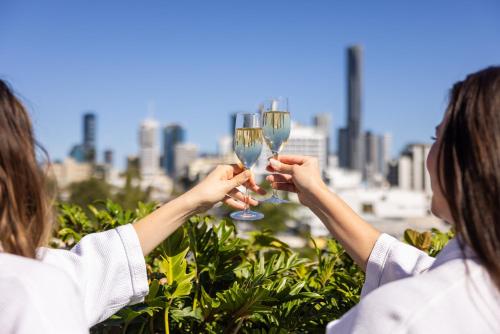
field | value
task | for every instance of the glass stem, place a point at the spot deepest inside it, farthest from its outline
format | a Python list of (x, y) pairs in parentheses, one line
[(275, 191), (247, 201)]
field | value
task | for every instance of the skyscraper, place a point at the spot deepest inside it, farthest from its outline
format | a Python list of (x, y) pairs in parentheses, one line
[(343, 148), (89, 136), (323, 122), (307, 140), (149, 156), (108, 157), (410, 171), (371, 163), (384, 151), (173, 134), (354, 129)]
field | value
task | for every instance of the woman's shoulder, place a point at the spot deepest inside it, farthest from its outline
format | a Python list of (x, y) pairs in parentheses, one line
[(456, 297), (37, 294)]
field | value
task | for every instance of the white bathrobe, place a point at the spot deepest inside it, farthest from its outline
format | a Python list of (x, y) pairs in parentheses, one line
[(407, 291), (70, 291)]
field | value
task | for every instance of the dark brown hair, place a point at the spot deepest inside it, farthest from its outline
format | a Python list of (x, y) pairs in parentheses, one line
[(469, 156), (24, 211)]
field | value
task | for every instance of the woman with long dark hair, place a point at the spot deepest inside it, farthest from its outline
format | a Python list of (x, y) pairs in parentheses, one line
[(46, 290), (406, 291)]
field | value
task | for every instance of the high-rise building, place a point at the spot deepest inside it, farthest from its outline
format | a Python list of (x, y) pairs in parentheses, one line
[(108, 157), (89, 136), (411, 169), (354, 112), (323, 122), (78, 153), (371, 163), (343, 148), (185, 153), (384, 153), (173, 134), (149, 156), (306, 140), (405, 172)]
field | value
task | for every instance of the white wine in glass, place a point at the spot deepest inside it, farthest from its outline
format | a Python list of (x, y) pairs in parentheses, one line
[(247, 146), (276, 130)]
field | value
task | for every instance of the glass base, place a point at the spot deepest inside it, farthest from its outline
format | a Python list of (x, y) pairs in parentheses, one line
[(246, 215), (275, 200)]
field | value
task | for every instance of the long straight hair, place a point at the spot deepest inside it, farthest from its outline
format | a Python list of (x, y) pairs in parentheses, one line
[(469, 160), (25, 222)]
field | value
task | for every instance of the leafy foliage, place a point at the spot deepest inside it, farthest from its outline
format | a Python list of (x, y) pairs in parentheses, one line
[(206, 279), (429, 241)]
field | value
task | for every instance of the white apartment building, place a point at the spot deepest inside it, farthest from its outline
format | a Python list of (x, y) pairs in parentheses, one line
[(149, 153), (410, 170), (303, 140)]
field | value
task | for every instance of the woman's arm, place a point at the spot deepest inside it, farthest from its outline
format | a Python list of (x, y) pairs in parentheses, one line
[(108, 268), (217, 186), (301, 174)]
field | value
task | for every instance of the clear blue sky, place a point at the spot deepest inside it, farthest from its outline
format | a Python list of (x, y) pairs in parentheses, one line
[(200, 60)]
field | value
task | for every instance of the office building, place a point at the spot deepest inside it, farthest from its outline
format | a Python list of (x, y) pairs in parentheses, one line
[(173, 134), (343, 148), (78, 153), (89, 136), (323, 122), (410, 172), (384, 153), (108, 157), (149, 156), (354, 108), (306, 140), (184, 153), (371, 163)]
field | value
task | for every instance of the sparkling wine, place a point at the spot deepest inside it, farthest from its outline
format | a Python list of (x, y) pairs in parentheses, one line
[(248, 145), (276, 129)]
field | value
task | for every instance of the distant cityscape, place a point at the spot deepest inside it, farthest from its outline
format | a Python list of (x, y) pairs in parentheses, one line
[(361, 168)]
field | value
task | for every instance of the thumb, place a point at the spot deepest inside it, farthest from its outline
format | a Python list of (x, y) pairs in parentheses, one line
[(239, 179), (281, 167)]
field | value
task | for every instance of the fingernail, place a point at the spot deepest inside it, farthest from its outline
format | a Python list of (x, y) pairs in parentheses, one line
[(274, 162)]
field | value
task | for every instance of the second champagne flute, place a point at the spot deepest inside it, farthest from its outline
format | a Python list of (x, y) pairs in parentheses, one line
[(247, 146), (276, 130)]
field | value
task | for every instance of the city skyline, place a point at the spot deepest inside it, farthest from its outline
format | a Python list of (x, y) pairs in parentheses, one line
[(200, 63)]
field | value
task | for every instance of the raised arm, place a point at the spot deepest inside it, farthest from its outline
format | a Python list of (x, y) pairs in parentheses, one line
[(109, 268), (301, 174), (217, 186)]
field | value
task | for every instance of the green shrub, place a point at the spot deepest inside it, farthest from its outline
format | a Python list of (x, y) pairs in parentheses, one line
[(206, 279)]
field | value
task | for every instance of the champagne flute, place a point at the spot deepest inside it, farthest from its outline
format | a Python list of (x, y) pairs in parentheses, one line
[(276, 130), (247, 146)]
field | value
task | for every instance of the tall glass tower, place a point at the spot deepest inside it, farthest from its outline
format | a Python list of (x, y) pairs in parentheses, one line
[(173, 134), (89, 136), (354, 128)]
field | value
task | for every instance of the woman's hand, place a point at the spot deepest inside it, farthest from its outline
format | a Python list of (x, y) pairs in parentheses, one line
[(221, 184), (299, 174)]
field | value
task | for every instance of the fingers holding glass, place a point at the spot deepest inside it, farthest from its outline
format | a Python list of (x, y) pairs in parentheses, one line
[(276, 124)]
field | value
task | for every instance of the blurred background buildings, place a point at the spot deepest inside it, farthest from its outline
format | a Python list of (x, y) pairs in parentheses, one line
[(391, 192)]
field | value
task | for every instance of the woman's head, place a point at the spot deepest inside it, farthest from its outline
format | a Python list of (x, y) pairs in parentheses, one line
[(24, 221), (464, 164)]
